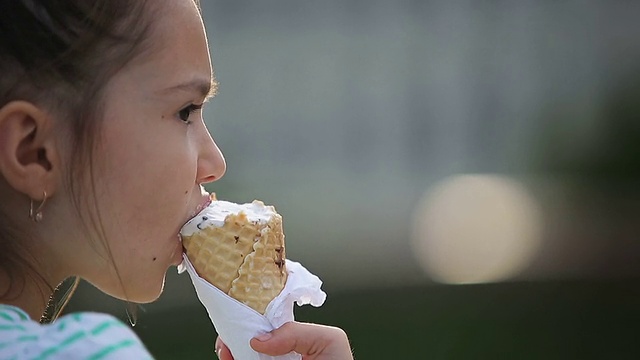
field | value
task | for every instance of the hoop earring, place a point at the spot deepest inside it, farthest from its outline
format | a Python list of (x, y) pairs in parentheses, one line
[(36, 215)]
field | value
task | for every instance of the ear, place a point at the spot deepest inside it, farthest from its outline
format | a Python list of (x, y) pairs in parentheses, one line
[(29, 158)]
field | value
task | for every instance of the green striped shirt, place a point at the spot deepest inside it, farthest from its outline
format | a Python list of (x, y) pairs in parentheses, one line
[(85, 335)]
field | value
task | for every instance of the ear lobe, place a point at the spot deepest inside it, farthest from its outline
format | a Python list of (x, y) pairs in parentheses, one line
[(28, 155)]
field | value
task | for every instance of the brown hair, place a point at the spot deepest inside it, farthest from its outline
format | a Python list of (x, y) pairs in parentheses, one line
[(59, 54)]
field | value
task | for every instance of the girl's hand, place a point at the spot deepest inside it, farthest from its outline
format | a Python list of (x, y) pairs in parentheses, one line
[(313, 342), (223, 351)]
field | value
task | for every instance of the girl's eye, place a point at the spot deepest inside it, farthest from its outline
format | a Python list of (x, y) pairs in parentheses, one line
[(185, 114)]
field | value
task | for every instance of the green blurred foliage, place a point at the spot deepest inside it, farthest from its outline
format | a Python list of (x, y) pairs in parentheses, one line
[(552, 320), (611, 157)]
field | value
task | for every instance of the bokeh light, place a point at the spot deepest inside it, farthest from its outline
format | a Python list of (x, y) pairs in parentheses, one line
[(476, 228)]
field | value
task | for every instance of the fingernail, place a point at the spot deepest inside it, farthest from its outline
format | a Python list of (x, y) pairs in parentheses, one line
[(218, 349), (263, 337)]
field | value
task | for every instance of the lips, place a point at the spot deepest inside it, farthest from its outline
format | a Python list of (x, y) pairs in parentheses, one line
[(204, 202)]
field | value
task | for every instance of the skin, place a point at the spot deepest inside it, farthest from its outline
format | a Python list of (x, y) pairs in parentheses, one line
[(150, 138), (312, 341), (153, 156)]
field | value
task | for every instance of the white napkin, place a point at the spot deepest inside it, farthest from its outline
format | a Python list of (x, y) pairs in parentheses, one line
[(237, 323)]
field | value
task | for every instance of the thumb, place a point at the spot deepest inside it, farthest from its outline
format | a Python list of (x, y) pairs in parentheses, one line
[(310, 340)]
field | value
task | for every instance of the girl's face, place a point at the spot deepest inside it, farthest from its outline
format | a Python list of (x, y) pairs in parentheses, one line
[(153, 154)]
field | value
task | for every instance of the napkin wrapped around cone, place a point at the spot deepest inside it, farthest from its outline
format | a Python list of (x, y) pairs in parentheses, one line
[(235, 256)]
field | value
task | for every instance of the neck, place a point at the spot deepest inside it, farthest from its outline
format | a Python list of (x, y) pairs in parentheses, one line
[(29, 295)]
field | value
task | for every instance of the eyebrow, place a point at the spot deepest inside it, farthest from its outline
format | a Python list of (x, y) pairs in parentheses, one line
[(207, 88)]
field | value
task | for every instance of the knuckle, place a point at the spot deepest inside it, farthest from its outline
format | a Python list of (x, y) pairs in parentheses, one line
[(338, 333)]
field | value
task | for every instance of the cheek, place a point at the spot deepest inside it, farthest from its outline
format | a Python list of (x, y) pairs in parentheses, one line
[(149, 200), (151, 165), (147, 176)]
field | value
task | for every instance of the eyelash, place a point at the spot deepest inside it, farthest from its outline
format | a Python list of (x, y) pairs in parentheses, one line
[(186, 113)]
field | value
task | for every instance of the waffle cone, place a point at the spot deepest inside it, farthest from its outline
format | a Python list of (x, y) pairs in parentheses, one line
[(242, 258)]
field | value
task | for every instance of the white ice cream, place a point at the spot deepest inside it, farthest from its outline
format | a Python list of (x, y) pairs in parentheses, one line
[(218, 210)]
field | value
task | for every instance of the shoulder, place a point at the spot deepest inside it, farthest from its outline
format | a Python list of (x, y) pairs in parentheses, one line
[(81, 335)]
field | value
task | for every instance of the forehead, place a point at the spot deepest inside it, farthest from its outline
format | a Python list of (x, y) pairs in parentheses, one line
[(167, 14), (179, 49)]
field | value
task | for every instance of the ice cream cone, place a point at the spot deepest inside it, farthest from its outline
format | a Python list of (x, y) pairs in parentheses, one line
[(239, 249)]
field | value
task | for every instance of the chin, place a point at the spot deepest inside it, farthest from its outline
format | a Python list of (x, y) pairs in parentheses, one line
[(147, 292), (149, 295)]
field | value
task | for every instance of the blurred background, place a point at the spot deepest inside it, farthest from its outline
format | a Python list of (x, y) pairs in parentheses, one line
[(464, 176)]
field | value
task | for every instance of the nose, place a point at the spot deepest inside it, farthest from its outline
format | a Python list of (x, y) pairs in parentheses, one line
[(211, 163)]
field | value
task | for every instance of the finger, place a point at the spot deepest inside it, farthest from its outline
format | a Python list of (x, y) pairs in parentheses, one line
[(306, 339), (222, 351)]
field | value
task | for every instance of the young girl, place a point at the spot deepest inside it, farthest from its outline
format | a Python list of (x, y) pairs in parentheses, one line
[(103, 154)]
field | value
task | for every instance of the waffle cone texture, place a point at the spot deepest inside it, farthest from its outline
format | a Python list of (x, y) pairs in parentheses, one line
[(244, 259)]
